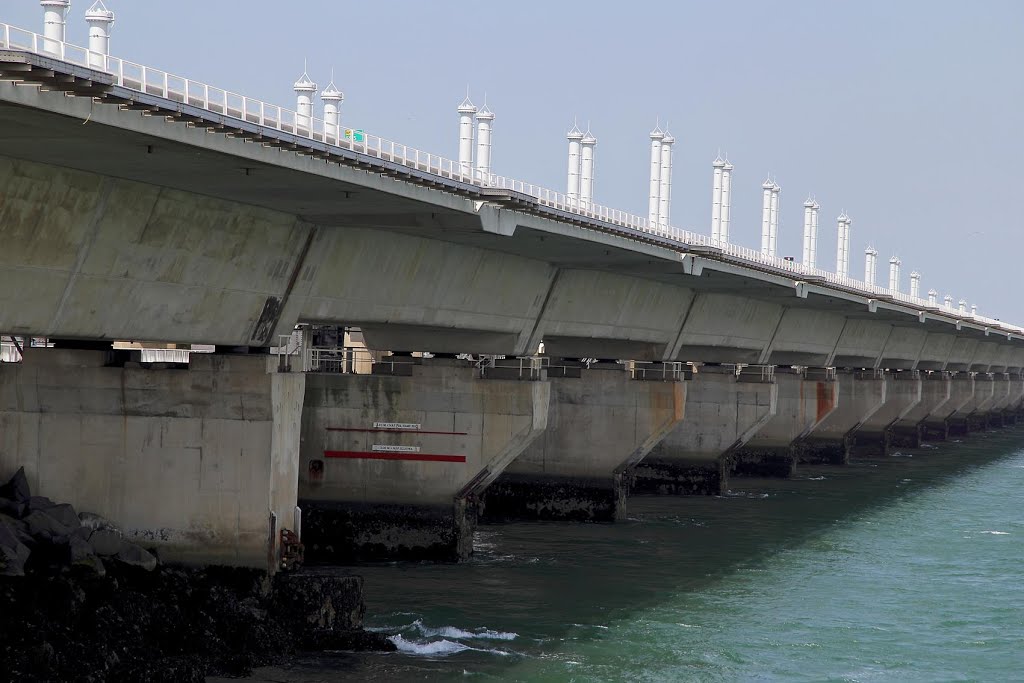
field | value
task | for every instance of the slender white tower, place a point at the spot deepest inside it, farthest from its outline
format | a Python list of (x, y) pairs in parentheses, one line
[(665, 198), (484, 117), (716, 199), (574, 136), (933, 297), (773, 236), (466, 111), (332, 99), (808, 209), (305, 88), (915, 285), (726, 201), (587, 145), (962, 307), (100, 19), (54, 13), (654, 195), (766, 216), (949, 302), (843, 249), (814, 235), (894, 273), (974, 310), (870, 265)]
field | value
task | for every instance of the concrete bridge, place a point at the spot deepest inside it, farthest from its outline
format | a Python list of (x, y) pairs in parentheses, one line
[(135, 205)]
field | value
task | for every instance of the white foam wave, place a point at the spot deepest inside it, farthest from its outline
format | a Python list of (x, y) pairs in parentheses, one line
[(436, 647), (821, 478), (458, 633), (997, 533)]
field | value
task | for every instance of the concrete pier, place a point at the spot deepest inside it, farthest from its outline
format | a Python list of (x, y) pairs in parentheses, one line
[(936, 392), (723, 412), (1001, 396), (804, 400), (961, 392), (601, 423), (393, 464), (972, 415), (201, 463), (1011, 413), (902, 394), (861, 395)]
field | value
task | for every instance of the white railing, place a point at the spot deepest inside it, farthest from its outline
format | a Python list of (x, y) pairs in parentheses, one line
[(230, 104)]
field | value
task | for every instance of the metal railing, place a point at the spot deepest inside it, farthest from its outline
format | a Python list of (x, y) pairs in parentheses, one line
[(176, 88), (667, 370)]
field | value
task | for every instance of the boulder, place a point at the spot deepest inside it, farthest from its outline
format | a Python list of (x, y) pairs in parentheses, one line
[(105, 542), (81, 554), (17, 488), (43, 527), (39, 503), (12, 508), (135, 556), (65, 514), (91, 520), (12, 559)]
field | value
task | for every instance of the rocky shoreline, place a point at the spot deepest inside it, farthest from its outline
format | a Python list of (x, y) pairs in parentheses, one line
[(80, 603)]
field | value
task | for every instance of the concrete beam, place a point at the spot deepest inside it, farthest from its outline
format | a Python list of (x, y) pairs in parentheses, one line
[(961, 393), (601, 423), (201, 463), (722, 413), (393, 466), (861, 395), (803, 403), (936, 392), (902, 393), (971, 415)]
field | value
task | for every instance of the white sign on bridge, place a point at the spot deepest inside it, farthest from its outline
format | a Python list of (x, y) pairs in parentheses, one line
[(397, 425), (388, 448)]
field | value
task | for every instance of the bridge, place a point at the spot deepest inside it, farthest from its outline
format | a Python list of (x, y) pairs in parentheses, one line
[(139, 205)]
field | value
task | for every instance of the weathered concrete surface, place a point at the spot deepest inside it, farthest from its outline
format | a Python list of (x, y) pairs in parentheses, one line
[(1011, 412), (392, 466), (936, 391), (861, 395), (961, 392), (902, 394), (600, 424), (722, 414), (1001, 397), (972, 415), (803, 402), (193, 462)]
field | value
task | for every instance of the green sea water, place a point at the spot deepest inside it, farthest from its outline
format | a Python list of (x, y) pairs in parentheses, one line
[(907, 568)]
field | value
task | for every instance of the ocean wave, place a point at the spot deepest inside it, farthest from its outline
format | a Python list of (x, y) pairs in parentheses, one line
[(997, 533), (438, 648), (455, 632)]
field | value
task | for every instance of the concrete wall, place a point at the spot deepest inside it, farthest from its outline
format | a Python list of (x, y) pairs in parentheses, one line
[(902, 394), (722, 413), (600, 423), (860, 397), (371, 490), (936, 392), (190, 461)]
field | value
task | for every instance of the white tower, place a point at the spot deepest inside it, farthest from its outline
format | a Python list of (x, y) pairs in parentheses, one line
[(466, 111), (974, 310), (100, 20), (949, 302), (962, 307), (716, 199), (332, 99), (843, 249), (305, 88), (484, 117), (894, 273), (574, 136), (870, 263), (915, 285), (665, 198), (54, 13), (933, 297), (726, 200), (766, 216), (808, 237), (773, 230), (654, 194), (587, 145)]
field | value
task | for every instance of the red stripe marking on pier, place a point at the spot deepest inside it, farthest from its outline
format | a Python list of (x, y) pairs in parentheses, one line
[(393, 431), (376, 455)]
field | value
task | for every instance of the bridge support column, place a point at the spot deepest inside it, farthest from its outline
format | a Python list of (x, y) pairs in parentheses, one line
[(201, 463), (1001, 396), (936, 426), (971, 416), (1012, 410), (601, 423), (393, 465), (902, 394), (861, 395), (722, 413), (936, 391), (805, 399)]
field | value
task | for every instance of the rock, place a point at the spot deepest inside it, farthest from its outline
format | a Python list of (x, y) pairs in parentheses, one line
[(362, 641), (17, 488), (105, 542), (39, 503), (8, 535), (310, 602), (91, 520), (135, 556), (13, 557), (12, 509), (65, 514), (81, 554), (45, 528)]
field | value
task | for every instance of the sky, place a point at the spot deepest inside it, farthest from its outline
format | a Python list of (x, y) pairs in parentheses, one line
[(905, 114)]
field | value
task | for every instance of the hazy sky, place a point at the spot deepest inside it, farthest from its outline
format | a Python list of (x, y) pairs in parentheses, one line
[(906, 114)]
